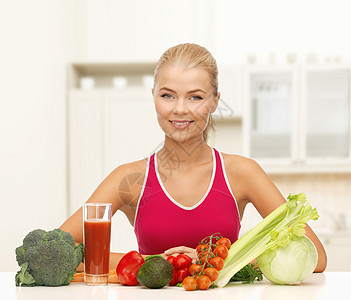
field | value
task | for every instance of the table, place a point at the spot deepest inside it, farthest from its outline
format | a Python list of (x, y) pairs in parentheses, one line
[(326, 285)]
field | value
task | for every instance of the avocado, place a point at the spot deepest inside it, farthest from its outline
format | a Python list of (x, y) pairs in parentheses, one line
[(155, 273)]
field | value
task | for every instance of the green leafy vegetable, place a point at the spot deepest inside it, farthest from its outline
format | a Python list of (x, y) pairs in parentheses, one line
[(248, 274), (275, 230), (23, 276)]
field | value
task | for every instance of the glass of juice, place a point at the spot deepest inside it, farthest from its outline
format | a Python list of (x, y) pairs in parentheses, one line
[(97, 237)]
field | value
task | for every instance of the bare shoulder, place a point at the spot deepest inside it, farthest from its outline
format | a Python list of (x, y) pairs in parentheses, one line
[(135, 167), (245, 176), (127, 180), (240, 165)]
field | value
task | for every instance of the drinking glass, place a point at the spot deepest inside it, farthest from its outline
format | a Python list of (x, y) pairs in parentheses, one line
[(97, 237)]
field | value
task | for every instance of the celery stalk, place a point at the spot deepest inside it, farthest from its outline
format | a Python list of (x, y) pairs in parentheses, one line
[(273, 231)]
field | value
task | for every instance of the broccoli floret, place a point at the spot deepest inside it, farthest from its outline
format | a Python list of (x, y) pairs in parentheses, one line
[(52, 257)]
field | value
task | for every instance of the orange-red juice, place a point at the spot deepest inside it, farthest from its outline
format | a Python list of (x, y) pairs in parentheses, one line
[(97, 236)]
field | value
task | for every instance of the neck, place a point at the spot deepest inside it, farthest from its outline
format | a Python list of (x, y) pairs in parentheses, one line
[(183, 155)]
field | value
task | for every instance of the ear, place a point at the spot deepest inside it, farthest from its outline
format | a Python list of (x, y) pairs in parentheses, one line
[(215, 102)]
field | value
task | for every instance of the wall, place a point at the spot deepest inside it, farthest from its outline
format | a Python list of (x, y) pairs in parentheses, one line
[(36, 40)]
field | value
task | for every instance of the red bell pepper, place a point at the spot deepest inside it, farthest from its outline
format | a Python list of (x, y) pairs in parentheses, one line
[(128, 267)]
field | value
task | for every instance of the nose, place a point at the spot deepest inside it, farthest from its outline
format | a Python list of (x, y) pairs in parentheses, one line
[(180, 106)]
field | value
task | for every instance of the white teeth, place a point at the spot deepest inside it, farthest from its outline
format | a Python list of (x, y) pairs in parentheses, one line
[(180, 123)]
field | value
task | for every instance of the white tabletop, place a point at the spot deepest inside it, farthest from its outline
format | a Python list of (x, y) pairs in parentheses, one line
[(317, 286)]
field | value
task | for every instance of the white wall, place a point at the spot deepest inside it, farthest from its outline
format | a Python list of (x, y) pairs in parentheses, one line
[(36, 41)]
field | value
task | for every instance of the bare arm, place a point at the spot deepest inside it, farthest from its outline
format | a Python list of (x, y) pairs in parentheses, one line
[(264, 195)]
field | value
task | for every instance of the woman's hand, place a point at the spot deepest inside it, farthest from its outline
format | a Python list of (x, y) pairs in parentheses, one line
[(181, 250)]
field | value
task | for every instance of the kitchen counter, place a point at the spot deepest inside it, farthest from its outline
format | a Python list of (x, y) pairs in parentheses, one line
[(318, 286)]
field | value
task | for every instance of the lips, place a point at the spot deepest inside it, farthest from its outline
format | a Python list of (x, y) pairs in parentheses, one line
[(180, 124)]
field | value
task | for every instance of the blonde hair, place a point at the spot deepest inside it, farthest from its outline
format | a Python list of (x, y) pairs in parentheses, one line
[(190, 56)]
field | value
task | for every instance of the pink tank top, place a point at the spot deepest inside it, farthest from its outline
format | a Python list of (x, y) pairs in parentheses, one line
[(162, 223)]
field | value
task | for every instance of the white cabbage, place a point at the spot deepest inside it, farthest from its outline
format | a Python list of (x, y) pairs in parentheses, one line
[(290, 264)]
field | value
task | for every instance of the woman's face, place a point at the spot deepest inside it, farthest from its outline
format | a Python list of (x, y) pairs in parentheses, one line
[(184, 99)]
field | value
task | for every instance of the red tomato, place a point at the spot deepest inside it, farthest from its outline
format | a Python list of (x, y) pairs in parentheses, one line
[(189, 283), (182, 273), (221, 251), (211, 273), (217, 262), (174, 279), (183, 261), (172, 260), (201, 248), (205, 253), (225, 242), (194, 269), (203, 282), (205, 261)]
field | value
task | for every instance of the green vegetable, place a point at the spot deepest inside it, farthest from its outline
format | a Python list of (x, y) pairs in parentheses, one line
[(277, 229), (247, 274), (291, 264), (48, 258), (155, 273)]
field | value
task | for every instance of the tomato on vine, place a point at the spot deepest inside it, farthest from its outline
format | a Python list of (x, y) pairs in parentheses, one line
[(201, 248), (189, 283), (195, 269), (211, 273), (221, 251), (203, 282), (217, 262), (225, 242)]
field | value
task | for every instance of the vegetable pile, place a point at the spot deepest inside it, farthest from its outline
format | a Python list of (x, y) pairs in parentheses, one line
[(48, 258), (211, 252), (274, 233)]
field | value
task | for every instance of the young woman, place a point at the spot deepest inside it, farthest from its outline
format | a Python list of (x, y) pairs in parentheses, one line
[(188, 190)]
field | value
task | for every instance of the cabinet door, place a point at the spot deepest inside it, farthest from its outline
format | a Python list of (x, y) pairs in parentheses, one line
[(85, 145), (271, 114), (326, 106)]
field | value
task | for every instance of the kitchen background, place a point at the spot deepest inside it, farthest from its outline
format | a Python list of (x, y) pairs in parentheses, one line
[(76, 102)]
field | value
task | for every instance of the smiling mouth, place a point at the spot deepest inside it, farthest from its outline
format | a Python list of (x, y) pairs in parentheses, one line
[(181, 123)]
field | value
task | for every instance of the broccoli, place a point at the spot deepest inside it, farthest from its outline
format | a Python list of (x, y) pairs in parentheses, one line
[(48, 258)]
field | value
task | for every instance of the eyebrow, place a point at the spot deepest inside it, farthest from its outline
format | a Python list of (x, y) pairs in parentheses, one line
[(189, 92)]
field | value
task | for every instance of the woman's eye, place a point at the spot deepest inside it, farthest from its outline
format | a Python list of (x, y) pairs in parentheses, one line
[(196, 98), (166, 96)]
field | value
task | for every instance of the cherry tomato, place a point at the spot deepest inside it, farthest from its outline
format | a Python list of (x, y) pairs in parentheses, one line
[(221, 251), (201, 248), (217, 263), (189, 283), (172, 260), (225, 242), (205, 261), (194, 269), (205, 253), (182, 273), (203, 282), (182, 261), (174, 279), (211, 273)]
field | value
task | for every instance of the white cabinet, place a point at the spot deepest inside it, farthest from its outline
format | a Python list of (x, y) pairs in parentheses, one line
[(338, 248), (326, 113), (298, 117)]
